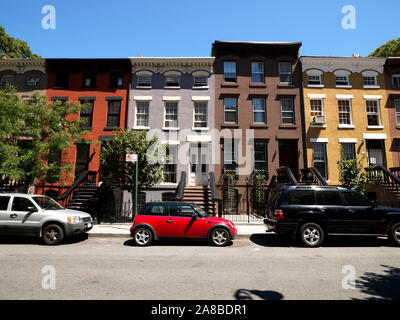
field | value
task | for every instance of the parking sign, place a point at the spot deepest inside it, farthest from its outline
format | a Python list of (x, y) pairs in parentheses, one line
[(131, 157)]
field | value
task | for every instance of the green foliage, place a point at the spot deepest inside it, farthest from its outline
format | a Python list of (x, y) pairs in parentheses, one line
[(29, 129), (14, 48), (134, 141), (389, 49), (260, 188), (230, 192)]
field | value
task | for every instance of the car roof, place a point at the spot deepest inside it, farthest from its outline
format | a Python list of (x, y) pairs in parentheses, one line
[(168, 202), (315, 187)]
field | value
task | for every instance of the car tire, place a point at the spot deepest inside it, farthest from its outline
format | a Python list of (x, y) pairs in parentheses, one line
[(143, 237), (311, 234), (394, 233), (52, 234), (220, 237)]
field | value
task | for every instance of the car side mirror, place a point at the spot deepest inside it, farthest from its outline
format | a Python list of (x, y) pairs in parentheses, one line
[(32, 209), (194, 216)]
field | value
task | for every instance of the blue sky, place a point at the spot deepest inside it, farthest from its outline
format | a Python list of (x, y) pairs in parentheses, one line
[(128, 28)]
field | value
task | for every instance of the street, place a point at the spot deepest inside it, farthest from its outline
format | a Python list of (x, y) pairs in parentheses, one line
[(263, 267)]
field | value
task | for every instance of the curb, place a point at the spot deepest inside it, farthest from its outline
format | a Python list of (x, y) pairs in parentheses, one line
[(115, 235)]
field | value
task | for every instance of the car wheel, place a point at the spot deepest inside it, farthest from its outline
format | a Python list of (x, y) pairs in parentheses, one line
[(52, 234), (311, 234), (143, 237), (395, 233), (220, 237)]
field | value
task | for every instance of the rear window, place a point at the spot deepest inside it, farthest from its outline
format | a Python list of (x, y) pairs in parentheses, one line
[(4, 202), (355, 199), (299, 197), (329, 198)]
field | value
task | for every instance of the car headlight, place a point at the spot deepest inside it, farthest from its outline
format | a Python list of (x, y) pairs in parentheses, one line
[(74, 219)]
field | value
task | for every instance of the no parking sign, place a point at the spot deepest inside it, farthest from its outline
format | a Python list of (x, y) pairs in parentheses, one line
[(131, 157)]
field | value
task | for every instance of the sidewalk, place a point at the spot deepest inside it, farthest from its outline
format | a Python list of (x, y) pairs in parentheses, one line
[(245, 230)]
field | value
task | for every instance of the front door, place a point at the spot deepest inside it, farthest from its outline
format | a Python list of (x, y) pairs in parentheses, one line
[(82, 158), (198, 166), (376, 153), (288, 156)]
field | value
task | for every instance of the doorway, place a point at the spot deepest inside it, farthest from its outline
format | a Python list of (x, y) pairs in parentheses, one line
[(198, 165), (288, 156), (376, 152), (82, 158)]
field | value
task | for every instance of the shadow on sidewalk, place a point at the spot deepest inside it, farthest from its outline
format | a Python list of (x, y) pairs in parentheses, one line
[(245, 294)]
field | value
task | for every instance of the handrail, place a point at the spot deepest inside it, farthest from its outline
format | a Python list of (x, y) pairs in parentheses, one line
[(395, 171), (290, 178), (316, 177), (180, 190), (388, 177), (82, 178), (214, 194)]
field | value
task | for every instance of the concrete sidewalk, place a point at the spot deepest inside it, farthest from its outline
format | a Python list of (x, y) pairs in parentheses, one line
[(245, 230)]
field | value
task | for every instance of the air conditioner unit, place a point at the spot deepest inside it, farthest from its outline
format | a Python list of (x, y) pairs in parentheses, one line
[(319, 119)]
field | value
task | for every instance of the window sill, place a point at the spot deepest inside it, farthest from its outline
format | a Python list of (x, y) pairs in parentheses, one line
[(229, 125), (170, 128), (286, 86), (172, 87), (344, 86), (229, 85), (110, 128), (374, 127), (200, 129), (317, 125), (315, 86), (287, 126), (143, 87), (140, 128), (372, 87), (398, 127), (200, 87), (259, 126), (346, 126)]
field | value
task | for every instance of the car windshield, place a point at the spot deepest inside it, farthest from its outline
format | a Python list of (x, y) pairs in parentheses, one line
[(201, 212), (47, 203)]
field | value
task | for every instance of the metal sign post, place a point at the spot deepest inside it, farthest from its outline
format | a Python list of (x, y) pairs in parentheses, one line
[(132, 157)]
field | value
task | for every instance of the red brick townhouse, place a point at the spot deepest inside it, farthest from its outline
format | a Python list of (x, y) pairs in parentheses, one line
[(102, 83)]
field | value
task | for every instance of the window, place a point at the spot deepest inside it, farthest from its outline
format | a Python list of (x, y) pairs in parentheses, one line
[(200, 114), (200, 81), (172, 81), (170, 167), (89, 80), (143, 81), (171, 115), (287, 111), (32, 81), (373, 115), (314, 80), (7, 80), (229, 71), (397, 108), (87, 112), (54, 156), (4, 203), (396, 80), (259, 110), (342, 80), (156, 210), (344, 112), (319, 158), (369, 81), (349, 151), (260, 157), (299, 197), (355, 199), (142, 113), (230, 110), (62, 80), (285, 72), (21, 204), (328, 198), (116, 80), (316, 108), (230, 155), (257, 72), (113, 114)]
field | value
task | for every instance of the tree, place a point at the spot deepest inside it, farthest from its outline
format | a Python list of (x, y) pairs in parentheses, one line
[(33, 134), (389, 49), (14, 48), (134, 141)]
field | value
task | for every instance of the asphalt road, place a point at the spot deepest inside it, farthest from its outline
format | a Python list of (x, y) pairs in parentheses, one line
[(268, 267)]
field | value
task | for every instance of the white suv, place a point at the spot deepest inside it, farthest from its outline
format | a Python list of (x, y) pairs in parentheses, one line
[(25, 214)]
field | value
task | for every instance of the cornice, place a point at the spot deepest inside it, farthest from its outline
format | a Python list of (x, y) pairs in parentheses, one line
[(352, 64), (23, 65), (184, 65)]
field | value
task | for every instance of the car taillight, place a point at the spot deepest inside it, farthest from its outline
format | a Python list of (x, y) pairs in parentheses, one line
[(278, 214)]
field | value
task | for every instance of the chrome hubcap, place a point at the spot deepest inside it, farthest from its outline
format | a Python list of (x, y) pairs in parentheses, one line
[(142, 236), (311, 235), (220, 237)]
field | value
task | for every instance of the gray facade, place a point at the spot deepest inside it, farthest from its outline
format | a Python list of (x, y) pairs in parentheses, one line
[(175, 96)]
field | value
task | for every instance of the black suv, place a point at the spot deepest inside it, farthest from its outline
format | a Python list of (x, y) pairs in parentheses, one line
[(313, 212)]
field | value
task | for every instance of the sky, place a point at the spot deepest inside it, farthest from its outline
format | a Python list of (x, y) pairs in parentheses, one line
[(187, 28)]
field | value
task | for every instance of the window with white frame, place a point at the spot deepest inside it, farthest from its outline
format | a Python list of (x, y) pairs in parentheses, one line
[(316, 107), (231, 155), (285, 72), (320, 161), (397, 109), (370, 81), (314, 80), (373, 114), (345, 117), (257, 72), (200, 81), (287, 111), (349, 150), (230, 110), (142, 113), (229, 71), (200, 114), (171, 115), (172, 81), (259, 110), (143, 81), (396, 80), (170, 166), (342, 80)]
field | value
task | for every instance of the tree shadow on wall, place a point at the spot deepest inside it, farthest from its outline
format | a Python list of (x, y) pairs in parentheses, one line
[(381, 286), (244, 294)]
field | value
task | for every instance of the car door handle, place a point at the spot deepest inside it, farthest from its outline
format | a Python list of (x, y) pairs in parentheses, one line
[(13, 215), (170, 220)]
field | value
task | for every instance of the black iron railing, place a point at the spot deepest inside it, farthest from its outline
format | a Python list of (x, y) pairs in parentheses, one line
[(180, 190), (285, 176), (380, 173), (85, 178), (312, 176)]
